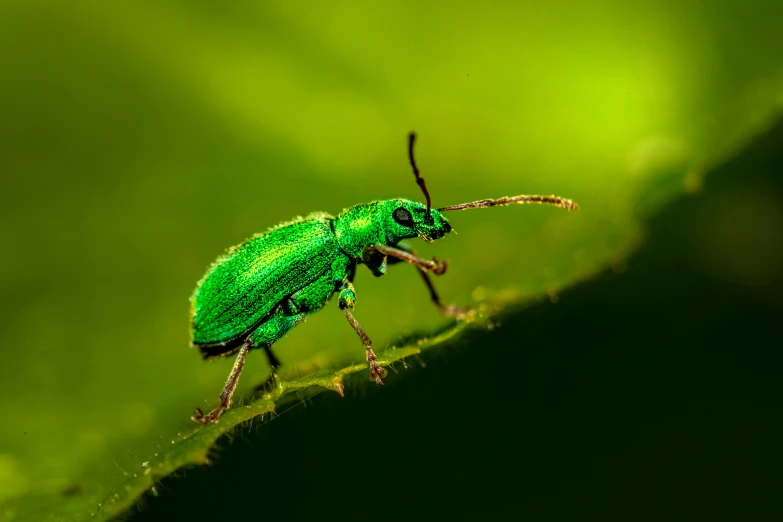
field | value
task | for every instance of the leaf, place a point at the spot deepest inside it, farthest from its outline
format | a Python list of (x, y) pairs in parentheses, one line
[(142, 139), (193, 447)]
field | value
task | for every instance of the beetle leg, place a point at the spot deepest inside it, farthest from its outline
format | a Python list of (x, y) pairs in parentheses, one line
[(375, 261), (228, 390), (448, 310), (347, 301), (289, 307), (347, 298), (437, 268), (265, 335), (270, 357), (376, 371), (272, 331)]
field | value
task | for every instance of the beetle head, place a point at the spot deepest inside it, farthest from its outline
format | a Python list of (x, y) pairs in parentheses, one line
[(407, 219)]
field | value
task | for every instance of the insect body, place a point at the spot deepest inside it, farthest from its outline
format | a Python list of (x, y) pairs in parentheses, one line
[(259, 290)]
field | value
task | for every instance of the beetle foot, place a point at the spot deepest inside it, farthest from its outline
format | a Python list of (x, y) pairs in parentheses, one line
[(376, 370), (198, 415), (439, 268)]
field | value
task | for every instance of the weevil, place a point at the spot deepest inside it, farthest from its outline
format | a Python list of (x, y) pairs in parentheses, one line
[(259, 290)]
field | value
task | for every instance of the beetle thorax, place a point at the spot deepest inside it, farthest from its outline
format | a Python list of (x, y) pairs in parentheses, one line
[(360, 226)]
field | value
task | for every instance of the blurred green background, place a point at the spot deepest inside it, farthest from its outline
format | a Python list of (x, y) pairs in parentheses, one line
[(138, 140)]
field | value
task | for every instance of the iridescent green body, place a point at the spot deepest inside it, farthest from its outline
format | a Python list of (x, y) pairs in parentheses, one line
[(267, 285), (259, 290)]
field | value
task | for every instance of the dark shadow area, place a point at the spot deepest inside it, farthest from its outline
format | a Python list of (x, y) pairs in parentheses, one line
[(649, 395)]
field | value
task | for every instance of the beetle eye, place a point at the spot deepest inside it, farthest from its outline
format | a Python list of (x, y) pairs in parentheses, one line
[(403, 217)]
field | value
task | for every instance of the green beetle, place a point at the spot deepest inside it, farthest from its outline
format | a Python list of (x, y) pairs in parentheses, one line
[(259, 290)]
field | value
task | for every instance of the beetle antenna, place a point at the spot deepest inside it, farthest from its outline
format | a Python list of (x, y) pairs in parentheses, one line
[(419, 179), (501, 202)]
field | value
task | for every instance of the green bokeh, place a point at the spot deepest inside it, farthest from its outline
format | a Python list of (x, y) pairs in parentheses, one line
[(140, 139)]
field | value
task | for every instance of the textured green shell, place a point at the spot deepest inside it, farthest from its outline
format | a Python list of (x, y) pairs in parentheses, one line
[(247, 283)]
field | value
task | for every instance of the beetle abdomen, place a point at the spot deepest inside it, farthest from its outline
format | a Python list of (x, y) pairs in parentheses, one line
[(242, 287)]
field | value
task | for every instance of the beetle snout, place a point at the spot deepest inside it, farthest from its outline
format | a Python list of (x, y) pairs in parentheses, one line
[(437, 233)]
